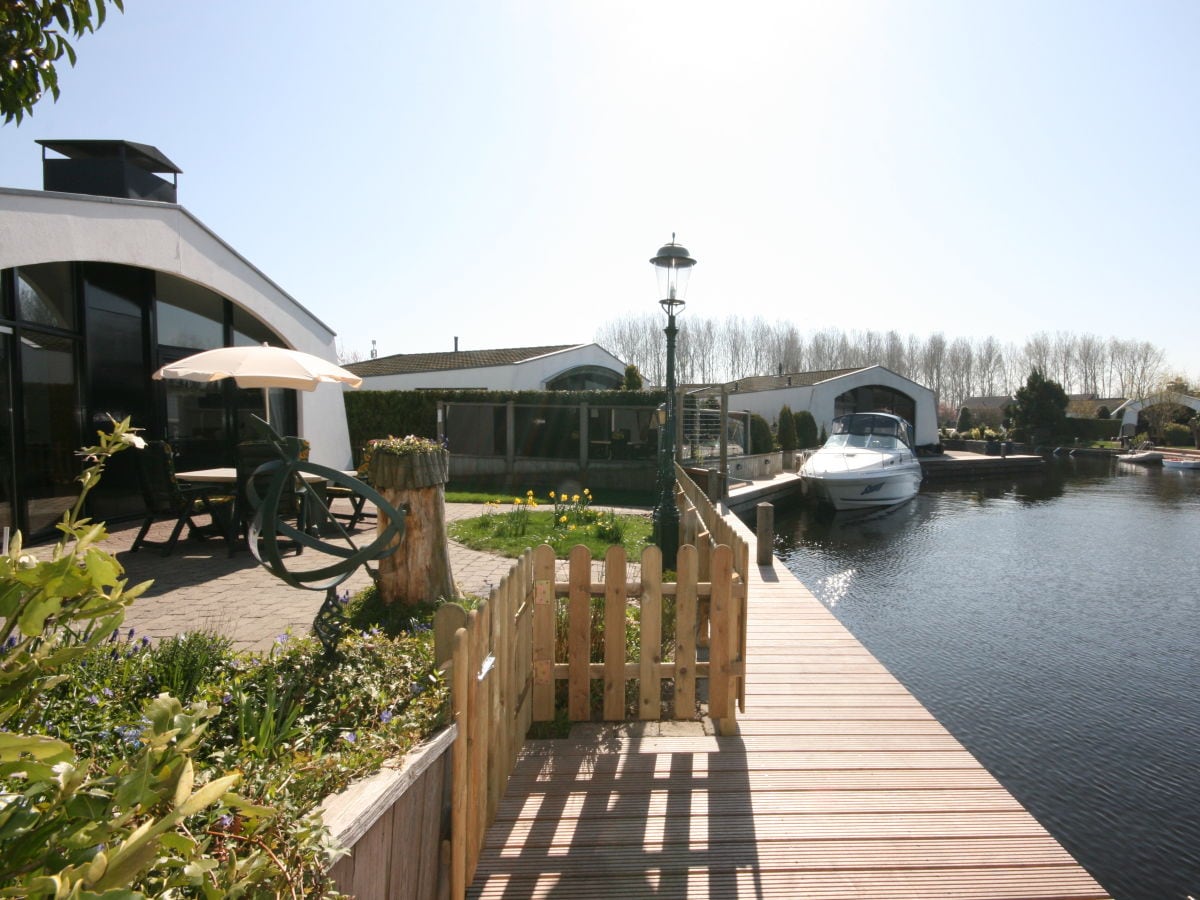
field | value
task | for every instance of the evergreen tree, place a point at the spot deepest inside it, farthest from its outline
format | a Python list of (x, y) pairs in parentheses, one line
[(787, 429), (1040, 408), (806, 430)]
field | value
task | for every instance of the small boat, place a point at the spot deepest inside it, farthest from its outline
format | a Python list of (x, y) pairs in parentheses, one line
[(1181, 462), (867, 461), (1141, 457)]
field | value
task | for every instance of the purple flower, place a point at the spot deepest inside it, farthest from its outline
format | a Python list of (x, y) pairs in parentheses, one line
[(112, 637), (130, 635), (145, 641), (11, 642), (107, 692), (350, 736), (93, 699), (226, 820), (226, 697), (385, 716)]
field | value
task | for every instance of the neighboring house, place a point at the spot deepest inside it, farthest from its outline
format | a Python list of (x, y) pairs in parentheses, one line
[(836, 392), (103, 279), (1086, 406), (565, 367)]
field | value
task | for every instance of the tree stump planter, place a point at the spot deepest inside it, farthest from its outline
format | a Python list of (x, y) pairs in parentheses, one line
[(419, 570)]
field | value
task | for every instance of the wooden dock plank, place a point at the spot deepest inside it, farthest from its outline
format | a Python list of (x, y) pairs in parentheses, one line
[(838, 784)]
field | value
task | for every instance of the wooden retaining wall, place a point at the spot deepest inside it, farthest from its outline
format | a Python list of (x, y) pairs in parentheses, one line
[(395, 823)]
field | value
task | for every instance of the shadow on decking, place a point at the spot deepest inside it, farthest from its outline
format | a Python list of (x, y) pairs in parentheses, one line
[(645, 811)]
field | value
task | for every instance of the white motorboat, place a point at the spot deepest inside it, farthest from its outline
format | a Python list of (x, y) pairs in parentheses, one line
[(1181, 462), (867, 461)]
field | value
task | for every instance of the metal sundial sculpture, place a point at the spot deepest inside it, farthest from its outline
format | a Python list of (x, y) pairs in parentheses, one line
[(267, 529)]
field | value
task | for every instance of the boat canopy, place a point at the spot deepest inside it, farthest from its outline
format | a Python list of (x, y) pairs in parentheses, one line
[(881, 424)]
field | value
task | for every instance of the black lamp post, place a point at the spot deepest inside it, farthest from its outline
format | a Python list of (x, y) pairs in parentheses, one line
[(672, 265)]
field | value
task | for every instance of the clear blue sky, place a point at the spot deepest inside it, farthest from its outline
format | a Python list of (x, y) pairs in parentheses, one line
[(502, 171)]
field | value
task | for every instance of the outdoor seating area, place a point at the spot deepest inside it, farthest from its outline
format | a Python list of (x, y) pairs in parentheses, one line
[(167, 497)]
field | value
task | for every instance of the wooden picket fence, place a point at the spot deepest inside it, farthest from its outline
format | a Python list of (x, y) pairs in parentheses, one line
[(538, 646), (702, 525)]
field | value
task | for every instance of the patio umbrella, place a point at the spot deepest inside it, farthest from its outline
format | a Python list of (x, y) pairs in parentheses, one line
[(259, 366)]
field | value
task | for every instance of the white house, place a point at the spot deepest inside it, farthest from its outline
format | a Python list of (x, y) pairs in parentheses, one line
[(562, 367), (104, 277)]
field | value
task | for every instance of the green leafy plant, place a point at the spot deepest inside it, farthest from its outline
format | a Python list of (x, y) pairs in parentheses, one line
[(67, 826)]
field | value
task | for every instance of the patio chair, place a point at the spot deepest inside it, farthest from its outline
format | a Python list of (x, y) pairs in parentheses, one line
[(249, 456), (358, 504), (166, 497)]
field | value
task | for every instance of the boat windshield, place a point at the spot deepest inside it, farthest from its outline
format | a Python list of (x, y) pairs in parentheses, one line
[(869, 431)]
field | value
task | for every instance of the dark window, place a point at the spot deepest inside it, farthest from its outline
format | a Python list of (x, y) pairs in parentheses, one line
[(44, 295), (6, 430), (118, 384), (188, 315), (249, 330), (51, 428)]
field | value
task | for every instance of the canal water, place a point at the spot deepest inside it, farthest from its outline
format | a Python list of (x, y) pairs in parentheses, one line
[(1052, 624)]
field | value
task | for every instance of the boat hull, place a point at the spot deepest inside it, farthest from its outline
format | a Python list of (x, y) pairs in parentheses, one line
[(1180, 462), (863, 489)]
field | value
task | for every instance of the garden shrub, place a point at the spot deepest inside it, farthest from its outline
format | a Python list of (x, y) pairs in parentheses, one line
[(761, 440), (806, 430), (787, 429), (1176, 435), (964, 420)]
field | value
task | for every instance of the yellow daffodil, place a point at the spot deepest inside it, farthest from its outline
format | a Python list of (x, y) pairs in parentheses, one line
[(562, 520), (552, 495), (570, 528), (574, 498), (529, 493), (516, 501)]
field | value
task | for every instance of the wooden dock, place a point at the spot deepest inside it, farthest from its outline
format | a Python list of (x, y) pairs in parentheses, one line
[(839, 785)]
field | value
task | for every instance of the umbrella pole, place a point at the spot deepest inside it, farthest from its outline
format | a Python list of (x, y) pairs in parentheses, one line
[(267, 405)]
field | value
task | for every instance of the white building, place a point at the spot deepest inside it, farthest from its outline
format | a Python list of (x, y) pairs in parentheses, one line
[(104, 278), (836, 392), (565, 367)]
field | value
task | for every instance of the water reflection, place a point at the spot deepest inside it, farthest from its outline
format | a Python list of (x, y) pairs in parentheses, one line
[(1052, 624)]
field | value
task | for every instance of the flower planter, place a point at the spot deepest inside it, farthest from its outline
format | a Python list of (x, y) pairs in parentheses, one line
[(419, 570), (394, 823)]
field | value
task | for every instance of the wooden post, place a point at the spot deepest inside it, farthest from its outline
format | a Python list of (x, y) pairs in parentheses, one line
[(765, 534), (685, 633), (579, 635), (721, 688), (544, 604), (419, 569), (649, 686), (460, 779), (614, 634)]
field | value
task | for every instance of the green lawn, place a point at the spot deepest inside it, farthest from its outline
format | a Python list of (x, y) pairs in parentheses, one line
[(509, 530)]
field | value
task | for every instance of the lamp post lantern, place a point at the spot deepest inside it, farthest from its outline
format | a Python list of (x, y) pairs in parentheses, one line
[(673, 265)]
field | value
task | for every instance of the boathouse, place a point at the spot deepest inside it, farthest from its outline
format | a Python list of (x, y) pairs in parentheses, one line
[(836, 392)]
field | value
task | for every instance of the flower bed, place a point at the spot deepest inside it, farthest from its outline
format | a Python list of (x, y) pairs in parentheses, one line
[(132, 768)]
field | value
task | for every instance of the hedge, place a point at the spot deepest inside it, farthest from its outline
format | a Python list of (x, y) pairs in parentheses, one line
[(378, 414)]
